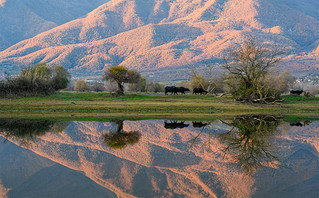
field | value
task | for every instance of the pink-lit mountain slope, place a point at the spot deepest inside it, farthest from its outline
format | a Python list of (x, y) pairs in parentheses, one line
[(23, 19), (158, 34)]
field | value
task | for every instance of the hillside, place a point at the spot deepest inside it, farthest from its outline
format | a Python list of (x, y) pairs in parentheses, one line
[(160, 35), (23, 19)]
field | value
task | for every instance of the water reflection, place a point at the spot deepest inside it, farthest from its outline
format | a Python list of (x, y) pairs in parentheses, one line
[(300, 124), (118, 139), (249, 141), (28, 130), (197, 124), (162, 164), (175, 124)]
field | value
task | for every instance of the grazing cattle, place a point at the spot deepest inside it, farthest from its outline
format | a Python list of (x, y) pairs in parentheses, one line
[(182, 89), (296, 92), (199, 90), (198, 124), (172, 90), (175, 125), (175, 90)]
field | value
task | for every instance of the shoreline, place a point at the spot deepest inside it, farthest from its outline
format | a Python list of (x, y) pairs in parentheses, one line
[(102, 105)]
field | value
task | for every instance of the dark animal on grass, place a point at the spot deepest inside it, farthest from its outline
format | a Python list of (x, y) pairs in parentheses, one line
[(198, 124), (199, 90), (297, 124), (296, 92), (172, 90), (175, 124), (182, 90)]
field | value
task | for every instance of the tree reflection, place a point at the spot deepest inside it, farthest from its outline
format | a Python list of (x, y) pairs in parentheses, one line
[(28, 130), (248, 142), (119, 139)]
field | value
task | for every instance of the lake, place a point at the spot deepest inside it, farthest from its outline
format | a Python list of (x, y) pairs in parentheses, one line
[(247, 156)]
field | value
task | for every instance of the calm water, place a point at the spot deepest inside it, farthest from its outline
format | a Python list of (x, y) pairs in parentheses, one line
[(248, 156)]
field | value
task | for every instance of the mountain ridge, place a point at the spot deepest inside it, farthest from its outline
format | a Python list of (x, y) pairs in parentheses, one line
[(177, 33)]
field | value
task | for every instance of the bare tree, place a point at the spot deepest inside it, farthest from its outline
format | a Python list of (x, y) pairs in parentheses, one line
[(249, 65), (97, 86), (81, 86), (199, 80)]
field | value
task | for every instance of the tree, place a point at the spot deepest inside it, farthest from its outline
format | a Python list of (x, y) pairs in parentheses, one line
[(121, 75), (35, 72), (198, 80), (81, 86), (249, 65), (61, 77), (97, 86), (155, 87), (183, 83), (140, 86), (206, 81), (37, 79), (289, 78)]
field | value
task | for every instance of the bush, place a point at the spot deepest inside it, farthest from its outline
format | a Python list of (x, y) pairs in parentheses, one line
[(82, 86), (35, 80)]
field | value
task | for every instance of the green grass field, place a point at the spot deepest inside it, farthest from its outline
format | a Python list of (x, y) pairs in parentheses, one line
[(76, 105)]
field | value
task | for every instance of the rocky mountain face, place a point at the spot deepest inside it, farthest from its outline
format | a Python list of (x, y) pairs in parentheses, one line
[(159, 34), (23, 19), (163, 162)]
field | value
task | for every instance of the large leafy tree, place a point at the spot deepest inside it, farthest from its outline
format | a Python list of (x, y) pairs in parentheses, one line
[(121, 75), (60, 77)]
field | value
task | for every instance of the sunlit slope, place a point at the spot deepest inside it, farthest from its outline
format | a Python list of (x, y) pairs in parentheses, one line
[(154, 34), (23, 19)]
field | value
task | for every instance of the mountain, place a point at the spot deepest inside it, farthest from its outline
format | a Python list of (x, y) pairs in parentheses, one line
[(23, 19), (160, 34)]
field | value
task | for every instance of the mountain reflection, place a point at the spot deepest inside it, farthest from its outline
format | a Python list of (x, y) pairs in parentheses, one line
[(162, 164), (28, 130), (119, 138), (248, 142)]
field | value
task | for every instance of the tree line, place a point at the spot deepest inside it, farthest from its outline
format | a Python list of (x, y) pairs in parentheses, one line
[(35, 80), (250, 74)]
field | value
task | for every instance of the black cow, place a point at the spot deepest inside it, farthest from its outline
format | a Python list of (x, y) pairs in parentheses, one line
[(182, 89), (172, 90), (198, 124), (175, 125), (199, 90), (296, 92)]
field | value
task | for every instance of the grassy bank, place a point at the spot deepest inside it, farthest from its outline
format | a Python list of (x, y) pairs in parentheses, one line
[(149, 106)]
